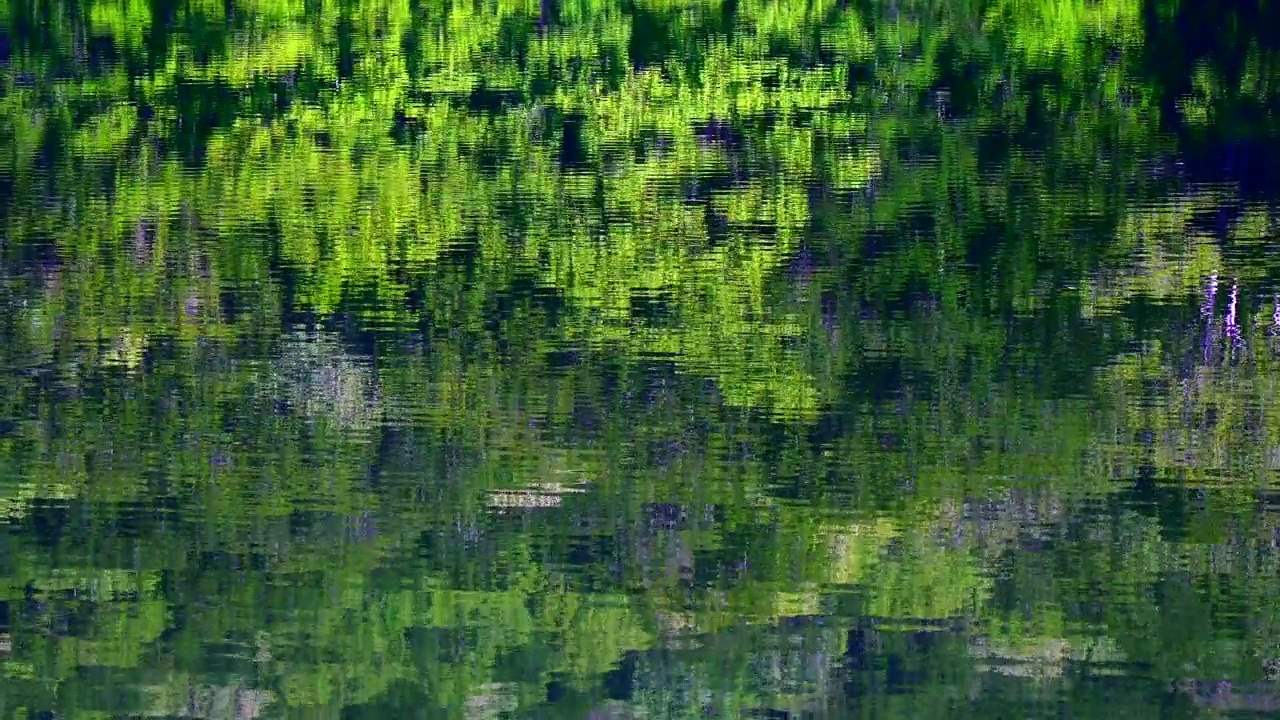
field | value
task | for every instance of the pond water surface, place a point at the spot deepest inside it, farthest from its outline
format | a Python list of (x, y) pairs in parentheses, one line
[(639, 358)]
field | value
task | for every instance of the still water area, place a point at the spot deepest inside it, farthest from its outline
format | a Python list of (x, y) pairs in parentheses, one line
[(615, 359)]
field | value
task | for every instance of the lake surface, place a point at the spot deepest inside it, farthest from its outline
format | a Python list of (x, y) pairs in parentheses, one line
[(641, 358)]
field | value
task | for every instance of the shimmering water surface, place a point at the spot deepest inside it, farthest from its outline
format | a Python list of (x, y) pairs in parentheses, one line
[(639, 358)]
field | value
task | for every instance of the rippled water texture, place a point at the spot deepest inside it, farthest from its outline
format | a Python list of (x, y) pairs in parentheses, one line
[(652, 358)]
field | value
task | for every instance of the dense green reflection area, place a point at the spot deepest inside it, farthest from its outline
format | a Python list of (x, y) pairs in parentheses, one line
[(645, 359)]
